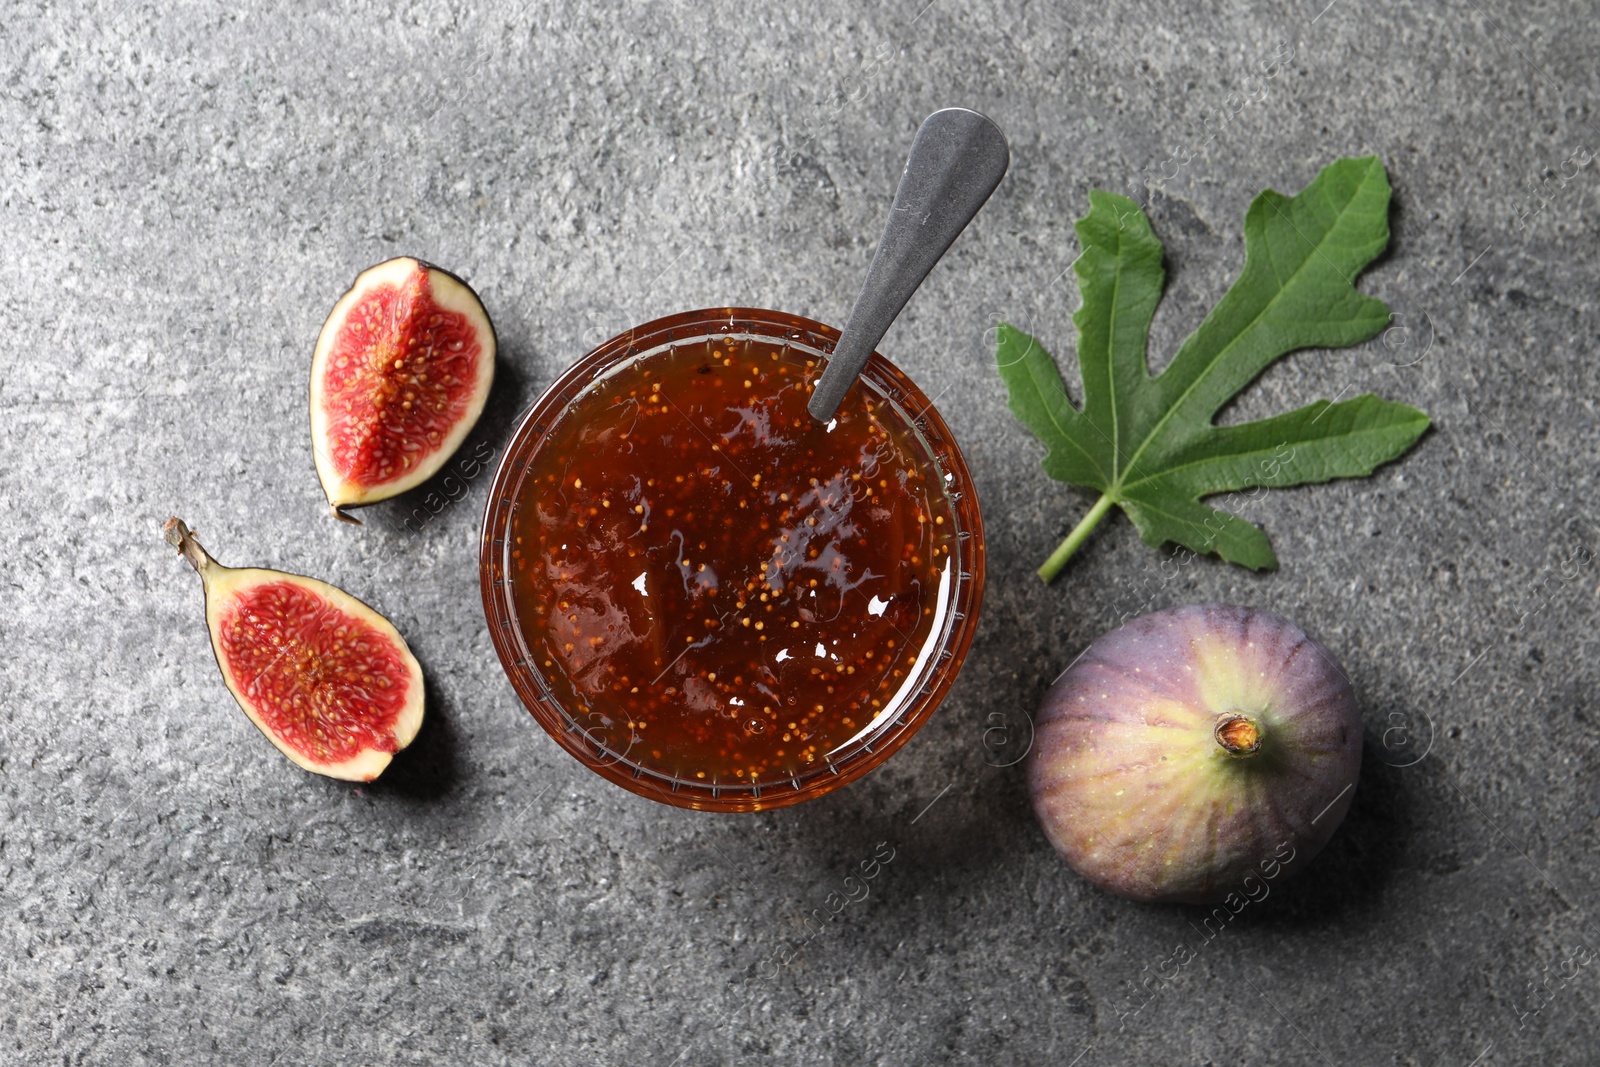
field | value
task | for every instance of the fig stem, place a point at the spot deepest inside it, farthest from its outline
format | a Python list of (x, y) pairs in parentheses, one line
[(1079, 534), (179, 537), (1239, 735)]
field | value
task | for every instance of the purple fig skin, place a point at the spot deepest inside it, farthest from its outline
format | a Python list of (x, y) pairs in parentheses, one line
[(1196, 754)]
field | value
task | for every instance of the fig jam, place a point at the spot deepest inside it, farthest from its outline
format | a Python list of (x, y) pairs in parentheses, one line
[(719, 588)]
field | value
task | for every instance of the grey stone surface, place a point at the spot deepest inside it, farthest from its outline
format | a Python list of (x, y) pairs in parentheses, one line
[(186, 187)]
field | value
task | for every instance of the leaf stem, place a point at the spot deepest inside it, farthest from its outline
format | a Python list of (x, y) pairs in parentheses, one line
[(1079, 534)]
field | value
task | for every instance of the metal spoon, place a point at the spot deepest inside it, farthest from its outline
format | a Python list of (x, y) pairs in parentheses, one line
[(958, 158)]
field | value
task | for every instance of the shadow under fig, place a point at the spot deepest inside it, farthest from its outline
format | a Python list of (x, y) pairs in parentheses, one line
[(512, 395), (427, 768), (982, 834)]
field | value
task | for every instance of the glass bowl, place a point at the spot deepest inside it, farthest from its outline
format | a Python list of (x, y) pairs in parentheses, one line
[(891, 727)]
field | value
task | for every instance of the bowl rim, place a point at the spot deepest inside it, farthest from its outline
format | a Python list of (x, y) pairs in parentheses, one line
[(851, 760)]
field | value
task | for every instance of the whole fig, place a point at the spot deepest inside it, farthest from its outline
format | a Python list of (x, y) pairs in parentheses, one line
[(1195, 753)]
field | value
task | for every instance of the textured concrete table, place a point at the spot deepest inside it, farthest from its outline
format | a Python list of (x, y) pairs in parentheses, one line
[(185, 188)]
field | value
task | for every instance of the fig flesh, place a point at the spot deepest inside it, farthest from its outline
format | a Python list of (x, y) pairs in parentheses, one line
[(1194, 753), (327, 679), (401, 372)]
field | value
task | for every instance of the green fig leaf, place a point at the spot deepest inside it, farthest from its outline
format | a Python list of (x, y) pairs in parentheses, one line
[(1148, 443)]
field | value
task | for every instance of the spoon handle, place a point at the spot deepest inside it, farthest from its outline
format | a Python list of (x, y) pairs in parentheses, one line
[(958, 158)]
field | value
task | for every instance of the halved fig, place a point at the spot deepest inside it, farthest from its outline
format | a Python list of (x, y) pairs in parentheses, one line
[(327, 679), (402, 370)]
